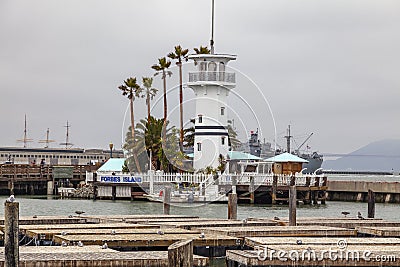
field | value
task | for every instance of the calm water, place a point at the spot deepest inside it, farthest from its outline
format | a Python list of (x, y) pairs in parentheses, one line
[(41, 205)]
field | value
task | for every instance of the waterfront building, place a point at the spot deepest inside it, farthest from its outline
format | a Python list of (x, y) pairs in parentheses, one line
[(56, 156)]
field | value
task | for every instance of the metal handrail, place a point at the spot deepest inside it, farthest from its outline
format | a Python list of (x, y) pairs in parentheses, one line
[(212, 76)]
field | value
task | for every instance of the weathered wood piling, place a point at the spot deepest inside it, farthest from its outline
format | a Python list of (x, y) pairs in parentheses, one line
[(11, 231)]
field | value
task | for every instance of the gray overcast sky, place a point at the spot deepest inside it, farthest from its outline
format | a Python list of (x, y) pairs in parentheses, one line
[(329, 67)]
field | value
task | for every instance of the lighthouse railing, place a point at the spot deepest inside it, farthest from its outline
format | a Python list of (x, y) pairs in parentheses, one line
[(212, 76)]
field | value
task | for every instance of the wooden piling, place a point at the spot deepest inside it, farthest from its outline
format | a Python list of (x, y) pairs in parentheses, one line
[(180, 254), (274, 188), (292, 205), (11, 248), (371, 204), (232, 206), (113, 192), (167, 200), (251, 190)]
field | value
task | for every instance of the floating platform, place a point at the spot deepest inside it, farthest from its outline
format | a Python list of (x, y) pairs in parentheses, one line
[(380, 231), (148, 240), (93, 256), (277, 231), (214, 223)]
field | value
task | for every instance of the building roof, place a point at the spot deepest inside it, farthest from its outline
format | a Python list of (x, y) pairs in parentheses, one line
[(286, 157), (238, 155), (114, 165)]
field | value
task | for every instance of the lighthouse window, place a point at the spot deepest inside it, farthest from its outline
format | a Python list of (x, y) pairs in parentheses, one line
[(223, 140), (200, 119), (222, 111), (198, 146)]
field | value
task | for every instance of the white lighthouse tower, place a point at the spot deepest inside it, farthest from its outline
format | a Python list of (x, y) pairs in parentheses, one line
[(211, 84)]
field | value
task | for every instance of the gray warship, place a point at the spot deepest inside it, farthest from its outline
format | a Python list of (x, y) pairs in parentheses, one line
[(265, 150)]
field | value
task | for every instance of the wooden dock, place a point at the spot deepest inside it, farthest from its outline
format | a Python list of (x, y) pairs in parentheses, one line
[(379, 231), (143, 240), (342, 222), (93, 256), (278, 231)]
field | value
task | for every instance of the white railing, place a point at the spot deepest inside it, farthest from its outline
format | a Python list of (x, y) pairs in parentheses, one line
[(212, 76), (208, 180)]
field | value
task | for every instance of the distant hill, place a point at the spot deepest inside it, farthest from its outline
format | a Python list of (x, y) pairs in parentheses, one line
[(377, 156)]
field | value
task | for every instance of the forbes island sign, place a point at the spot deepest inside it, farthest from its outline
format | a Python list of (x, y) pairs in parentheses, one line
[(120, 179)]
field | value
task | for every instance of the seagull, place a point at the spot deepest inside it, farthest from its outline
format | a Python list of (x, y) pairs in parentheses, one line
[(104, 246), (276, 218), (160, 232), (34, 216), (359, 216), (10, 199), (63, 233), (113, 232), (202, 235), (244, 221), (80, 244), (299, 242), (79, 212), (345, 213), (63, 244)]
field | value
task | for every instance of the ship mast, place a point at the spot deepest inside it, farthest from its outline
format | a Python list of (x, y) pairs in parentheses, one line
[(288, 137), (47, 141), (67, 143), (25, 140), (212, 28)]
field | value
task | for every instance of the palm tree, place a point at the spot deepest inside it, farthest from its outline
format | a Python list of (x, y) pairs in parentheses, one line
[(202, 50), (131, 89), (150, 92), (233, 141), (161, 68), (180, 54)]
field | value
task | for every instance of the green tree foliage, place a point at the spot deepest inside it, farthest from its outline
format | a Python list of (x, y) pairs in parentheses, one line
[(132, 90), (233, 141), (149, 91), (202, 50)]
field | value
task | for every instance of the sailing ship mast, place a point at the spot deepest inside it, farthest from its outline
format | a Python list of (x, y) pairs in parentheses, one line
[(67, 144), (25, 140), (47, 141)]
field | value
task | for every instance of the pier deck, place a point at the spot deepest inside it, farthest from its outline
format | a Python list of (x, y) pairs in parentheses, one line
[(214, 223), (93, 256), (343, 222), (277, 231), (48, 234), (380, 231), (148, 240)]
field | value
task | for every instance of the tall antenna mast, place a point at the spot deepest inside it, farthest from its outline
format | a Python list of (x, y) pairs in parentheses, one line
[(288, 137), (212, 27), (67, 143), (47, 141), (25, 140)]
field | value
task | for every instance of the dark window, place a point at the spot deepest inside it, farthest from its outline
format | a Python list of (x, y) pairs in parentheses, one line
[(222, 111), (223, 140), (198, 146), (200, 119)]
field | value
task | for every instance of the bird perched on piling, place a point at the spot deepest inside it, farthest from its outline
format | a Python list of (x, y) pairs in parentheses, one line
[(10, 199), (345, 213), (359, 216)]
